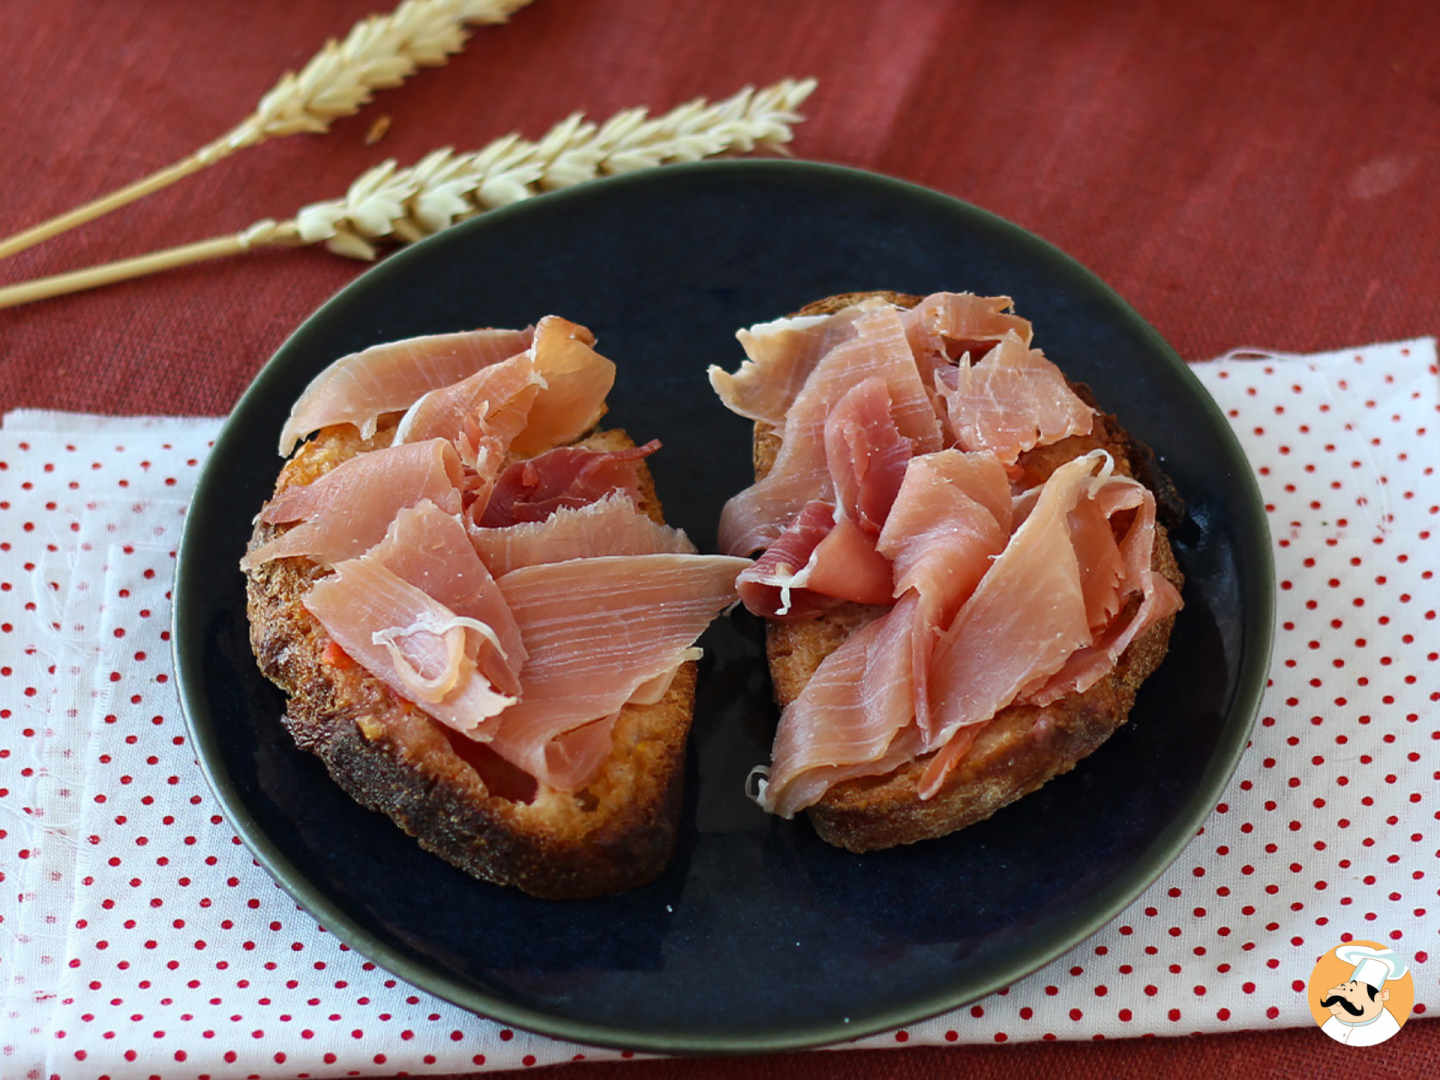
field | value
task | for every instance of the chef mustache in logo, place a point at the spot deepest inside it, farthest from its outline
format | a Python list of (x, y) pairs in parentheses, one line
[(1358, 1005)]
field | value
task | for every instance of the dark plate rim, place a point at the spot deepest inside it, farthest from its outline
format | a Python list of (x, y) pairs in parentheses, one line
[(1253, 551)]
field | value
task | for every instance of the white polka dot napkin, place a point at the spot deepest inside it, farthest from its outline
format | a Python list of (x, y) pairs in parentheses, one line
[(138, 937)]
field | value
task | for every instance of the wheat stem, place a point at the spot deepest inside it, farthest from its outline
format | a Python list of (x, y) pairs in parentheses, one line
[(400, 205), (261, 234), (380, 51)]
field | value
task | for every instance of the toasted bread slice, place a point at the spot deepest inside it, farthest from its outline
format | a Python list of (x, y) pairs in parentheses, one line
[(1023, 746), (454, 795)]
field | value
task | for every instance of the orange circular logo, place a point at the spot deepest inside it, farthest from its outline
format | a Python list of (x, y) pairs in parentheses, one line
[(1361, 992)]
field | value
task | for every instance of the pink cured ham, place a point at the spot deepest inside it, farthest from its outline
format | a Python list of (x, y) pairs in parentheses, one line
[(429, 549), (945, 326), (359, 388), (347, 510), (1012, 401), (610, 526), (415, 645), (780, 357), (495, 402), (597, 630), (853, 719), (866, 454), (816, 563), (481, 415), (753, 519), (1023, 622), (950, 520), (568, 477), (1138, 599), (576, 380)]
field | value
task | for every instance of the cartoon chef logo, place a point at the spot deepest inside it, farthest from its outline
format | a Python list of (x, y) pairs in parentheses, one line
[(1361, 993)]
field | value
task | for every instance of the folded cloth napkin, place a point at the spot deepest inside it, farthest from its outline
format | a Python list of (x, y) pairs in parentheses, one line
[(140, 939)]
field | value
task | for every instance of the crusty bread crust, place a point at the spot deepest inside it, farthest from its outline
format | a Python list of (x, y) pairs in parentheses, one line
[(456, 797), (1023, 746)]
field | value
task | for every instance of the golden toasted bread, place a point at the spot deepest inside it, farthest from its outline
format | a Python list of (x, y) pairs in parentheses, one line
[(1023, 746), (454, 795)]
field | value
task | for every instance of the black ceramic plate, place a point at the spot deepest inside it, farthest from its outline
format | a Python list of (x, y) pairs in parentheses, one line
[(759, 936)]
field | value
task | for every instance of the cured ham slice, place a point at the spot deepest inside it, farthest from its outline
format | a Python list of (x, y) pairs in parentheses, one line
[(576, 379), (418, 647), (945, 326), (481, 415), (1138, 599), (496, 400), (815, 564), (359, 388), (756, 516), (780, 357), (611, 526), (597, 630), (866, 454), (1013, 401), (951, 518), (347, 510), (852, 719), (429, 549), (949, 522), (1022, 623), (567, 477)]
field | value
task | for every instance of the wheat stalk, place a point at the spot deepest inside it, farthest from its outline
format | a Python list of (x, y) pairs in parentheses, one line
[(381, 51), (400, 205)]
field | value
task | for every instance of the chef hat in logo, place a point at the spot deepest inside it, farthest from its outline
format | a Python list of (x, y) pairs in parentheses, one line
[(1372, 966)]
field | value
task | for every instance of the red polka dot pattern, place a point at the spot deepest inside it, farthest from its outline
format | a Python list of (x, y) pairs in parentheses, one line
[(143, 931)]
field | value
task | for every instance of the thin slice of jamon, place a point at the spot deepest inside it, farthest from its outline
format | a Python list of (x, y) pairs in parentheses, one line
[(597, 630), (945, 326), (1013, 401), (417, 646), (576, 377), (1140, 598), (611, 526), (866, 454), (949, 521), (430, 550), (567, 477), (852, 719), (496, 400), (1024, 620), (347, 510), (813, 565), (359, 388), (753, 519), (781, 354)]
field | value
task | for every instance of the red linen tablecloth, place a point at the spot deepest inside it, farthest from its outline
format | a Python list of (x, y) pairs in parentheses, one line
[(1245, 174)]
